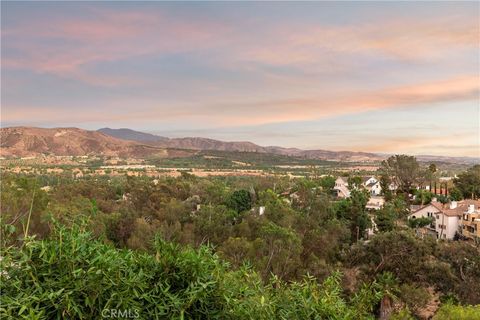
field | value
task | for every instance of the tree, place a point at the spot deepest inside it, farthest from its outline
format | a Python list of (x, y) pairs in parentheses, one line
[(399, 252), (468, 182), (213, 224), (455, 194), (387, 286), (358, 216), (403, 170), (430, 174), (423, 197), (240, 200), (282, 249), (385, 218), (419, 222), (354, 182), (385, 183), (327, 183)]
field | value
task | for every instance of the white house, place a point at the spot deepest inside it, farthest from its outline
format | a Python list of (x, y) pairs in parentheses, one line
[(368, 180), (374, 188), (341, 187), (446, 218), (370, 183)]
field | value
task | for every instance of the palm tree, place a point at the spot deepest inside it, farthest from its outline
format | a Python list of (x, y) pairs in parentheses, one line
[(386, 285)]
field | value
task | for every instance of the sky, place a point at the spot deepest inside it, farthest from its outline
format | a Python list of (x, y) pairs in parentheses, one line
[(387, 77)]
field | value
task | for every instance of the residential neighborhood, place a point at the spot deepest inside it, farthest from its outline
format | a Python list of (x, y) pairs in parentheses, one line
[(452, 219)]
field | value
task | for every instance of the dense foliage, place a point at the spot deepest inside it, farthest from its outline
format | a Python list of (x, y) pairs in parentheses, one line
[(73, 276), (230, 247)]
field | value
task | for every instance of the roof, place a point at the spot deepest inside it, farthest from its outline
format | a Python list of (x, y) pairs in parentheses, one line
[(462, 207), (365, 179), (426, 206), (415, 207)]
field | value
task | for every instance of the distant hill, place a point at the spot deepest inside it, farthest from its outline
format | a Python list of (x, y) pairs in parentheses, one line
[(28, 141), (191, 143), (132, 135), (196, 143), (31, 141)]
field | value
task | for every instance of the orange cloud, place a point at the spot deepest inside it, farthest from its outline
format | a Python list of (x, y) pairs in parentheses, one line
[(347, 102), (254, 112), (465, 144), (406, 39)]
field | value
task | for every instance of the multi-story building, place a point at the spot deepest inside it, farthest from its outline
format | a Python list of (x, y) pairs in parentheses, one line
[(449, 219), (471, 221)]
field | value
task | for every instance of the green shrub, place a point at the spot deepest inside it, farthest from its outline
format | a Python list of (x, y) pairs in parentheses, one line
[(455, 312), (70, 275)]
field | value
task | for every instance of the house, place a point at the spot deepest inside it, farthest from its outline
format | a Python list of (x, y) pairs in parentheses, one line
[(368, 180), (341, 187), (370, 183), (447, 219), (374, 188), (470, 223), (375, 202)]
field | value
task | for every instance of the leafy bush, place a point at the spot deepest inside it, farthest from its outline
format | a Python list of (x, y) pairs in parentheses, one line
[(70, 275), (450, 311), (420, 222)]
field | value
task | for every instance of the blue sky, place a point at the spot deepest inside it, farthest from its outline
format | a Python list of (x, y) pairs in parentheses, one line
[(396, 77)]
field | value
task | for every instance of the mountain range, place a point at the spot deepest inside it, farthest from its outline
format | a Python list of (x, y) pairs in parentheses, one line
[(32, 141), (196, 143)]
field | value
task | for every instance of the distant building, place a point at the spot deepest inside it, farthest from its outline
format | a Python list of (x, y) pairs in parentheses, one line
[(449, 219), (370, 183), (341, 187), (374, 188), (471, 221)]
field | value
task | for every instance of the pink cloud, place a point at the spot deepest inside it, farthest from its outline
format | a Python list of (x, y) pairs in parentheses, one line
[(347, 102), (109, 35), (251, 111)]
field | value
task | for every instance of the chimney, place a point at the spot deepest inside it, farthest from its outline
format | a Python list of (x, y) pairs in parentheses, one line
[(453, 204), (471, 208), (434, 199)]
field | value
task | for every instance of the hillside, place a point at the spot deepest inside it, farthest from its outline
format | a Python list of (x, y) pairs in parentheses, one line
[(28, 141), (197, 143), (31, 141)]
